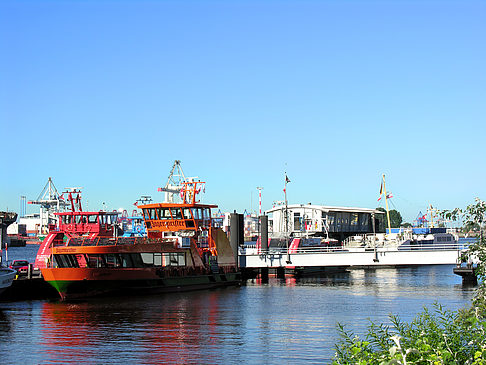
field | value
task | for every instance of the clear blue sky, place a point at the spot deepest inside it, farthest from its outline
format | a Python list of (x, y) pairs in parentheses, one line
[(105, 95)]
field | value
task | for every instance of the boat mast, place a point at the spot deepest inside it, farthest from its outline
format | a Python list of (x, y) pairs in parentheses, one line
[(386, 204), (431, 212), (287, 238)]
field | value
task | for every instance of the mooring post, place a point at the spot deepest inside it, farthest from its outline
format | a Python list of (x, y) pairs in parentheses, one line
[(264, 274), (234, 233), (264, 233)]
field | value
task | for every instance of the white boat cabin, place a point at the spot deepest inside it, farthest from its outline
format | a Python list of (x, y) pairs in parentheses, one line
[(324, 221)]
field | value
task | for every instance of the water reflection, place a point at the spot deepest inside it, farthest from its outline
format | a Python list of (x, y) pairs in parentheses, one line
[(175, 329), (283, 321), (4, 325)]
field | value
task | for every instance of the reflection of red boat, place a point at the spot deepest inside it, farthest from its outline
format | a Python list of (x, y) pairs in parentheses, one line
[(82, 256)]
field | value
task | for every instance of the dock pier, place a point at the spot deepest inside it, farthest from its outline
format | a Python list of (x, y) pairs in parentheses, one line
[(254, 262), (467, 272)]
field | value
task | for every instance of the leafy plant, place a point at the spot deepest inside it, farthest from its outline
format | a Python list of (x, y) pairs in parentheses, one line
[(437, 337)]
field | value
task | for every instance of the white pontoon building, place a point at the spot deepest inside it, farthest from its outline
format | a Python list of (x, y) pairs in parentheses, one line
[(323, 221)]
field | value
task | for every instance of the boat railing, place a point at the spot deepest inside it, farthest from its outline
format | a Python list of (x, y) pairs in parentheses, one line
[(329, 249), (112, 241)]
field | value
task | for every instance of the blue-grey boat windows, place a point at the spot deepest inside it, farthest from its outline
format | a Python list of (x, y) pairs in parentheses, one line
[(174, 259), (196, 213), (176, 213), (65, 261), (186, 212), (147, 259), (126, 260), (163, 259), (66, 219)]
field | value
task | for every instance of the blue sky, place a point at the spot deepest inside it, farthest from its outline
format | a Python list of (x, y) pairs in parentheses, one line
[(105, 95)]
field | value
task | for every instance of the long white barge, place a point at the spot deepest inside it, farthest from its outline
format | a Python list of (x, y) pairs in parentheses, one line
[(434, 254)]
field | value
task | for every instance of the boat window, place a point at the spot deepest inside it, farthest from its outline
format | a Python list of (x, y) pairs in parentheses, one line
[(111, 218), (189, 223), (102, 219), (77, 219), (126, 260), (186, 212), (174, 259), (176, 213), (157, 259), (206, 213), (147, 259), (329, 218), (151, 212), (354, 219), (195, 213), (81, 260), (167, 214), (92, 218), (297, 222), (66, 219), (94, 261), (64, 261), (364, 219), (136, 260), (59, 261), (112, 260)]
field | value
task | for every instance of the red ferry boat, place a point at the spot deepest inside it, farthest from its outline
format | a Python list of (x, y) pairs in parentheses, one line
[(83, 255)]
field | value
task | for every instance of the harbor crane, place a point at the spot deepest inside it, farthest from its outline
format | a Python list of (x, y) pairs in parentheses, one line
[(50, 202), (175, 182)]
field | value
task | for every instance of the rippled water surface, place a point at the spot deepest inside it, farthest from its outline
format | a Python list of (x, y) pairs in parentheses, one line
[(284, 321)]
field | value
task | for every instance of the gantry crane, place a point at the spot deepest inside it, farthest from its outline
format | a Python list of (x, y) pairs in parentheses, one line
[(175, 182), (50, 203)]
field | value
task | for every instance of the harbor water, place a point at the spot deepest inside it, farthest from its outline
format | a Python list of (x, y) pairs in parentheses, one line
[(284, 321)]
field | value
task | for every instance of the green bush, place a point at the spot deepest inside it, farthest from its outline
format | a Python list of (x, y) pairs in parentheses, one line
[(433, 337)]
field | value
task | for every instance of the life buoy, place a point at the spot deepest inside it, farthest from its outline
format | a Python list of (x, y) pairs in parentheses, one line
[(138, 229)]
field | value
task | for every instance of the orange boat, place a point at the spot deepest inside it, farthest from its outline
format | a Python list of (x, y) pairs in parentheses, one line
[(83, 255)]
